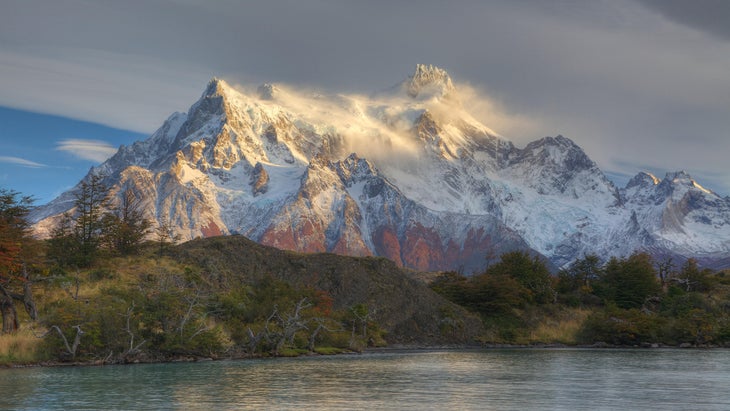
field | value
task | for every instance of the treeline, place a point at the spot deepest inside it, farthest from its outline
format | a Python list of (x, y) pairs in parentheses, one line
[(624, 301), (102, 223)]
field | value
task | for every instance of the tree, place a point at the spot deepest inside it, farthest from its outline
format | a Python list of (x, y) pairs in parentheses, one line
[(76, 239), (530, 272), (91, 202), (581, 273), (576, 283), (665, 269), (125, 226), (166, 234), (629, 282), (14, 246), (692, 278)]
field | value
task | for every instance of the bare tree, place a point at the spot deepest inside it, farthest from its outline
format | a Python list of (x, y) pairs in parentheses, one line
[(133, 349), (70, 348), (321, 326), (665, 270)]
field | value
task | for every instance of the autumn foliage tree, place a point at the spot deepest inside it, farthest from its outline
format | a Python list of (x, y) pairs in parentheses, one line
[(14, 246)]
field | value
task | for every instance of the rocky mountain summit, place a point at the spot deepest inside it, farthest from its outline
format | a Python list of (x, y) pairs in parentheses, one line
[(407, 174)]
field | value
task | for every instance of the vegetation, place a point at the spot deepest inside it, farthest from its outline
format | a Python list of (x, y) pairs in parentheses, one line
[(628, 301), (96, 291), (104, 294)]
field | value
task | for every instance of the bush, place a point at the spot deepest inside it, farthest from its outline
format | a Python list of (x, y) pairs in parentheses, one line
[(621, 327)]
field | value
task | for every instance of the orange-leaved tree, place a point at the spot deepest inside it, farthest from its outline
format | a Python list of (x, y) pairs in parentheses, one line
[(14, 242)]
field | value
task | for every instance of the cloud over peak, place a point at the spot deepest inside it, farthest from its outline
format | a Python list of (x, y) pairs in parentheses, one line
[(94, 150)]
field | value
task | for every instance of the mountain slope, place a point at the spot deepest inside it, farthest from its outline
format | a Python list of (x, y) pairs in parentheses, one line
[(407, 173)]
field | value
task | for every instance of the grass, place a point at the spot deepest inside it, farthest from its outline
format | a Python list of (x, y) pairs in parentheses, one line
[(21, 347), (562, 327)]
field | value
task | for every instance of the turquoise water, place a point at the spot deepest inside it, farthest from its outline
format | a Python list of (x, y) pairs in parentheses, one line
[(504, 379)]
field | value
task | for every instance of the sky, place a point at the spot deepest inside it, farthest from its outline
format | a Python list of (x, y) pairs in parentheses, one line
[(640, 85)]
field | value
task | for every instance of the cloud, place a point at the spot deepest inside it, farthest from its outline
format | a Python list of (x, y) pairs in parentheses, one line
[(710, 16), (94, 150), (21, 162), (121, 90), (643, 81)]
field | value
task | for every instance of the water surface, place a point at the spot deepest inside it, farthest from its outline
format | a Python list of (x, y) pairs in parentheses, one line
[(498, 379)]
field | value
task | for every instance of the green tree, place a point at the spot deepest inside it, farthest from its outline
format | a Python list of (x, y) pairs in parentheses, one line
[(125, 226), (76, 239), (530, 272), (580, 274), (91, 202), (576, 283), (692, 278), (629, 282)]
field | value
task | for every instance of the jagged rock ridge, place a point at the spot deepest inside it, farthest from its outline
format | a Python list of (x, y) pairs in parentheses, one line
[(408, 174)]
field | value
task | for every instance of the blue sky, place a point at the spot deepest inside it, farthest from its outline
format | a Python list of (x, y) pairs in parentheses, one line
[(43, 155), (640, 85)]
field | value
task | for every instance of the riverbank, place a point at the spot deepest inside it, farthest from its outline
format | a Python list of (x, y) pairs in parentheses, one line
[(395, 348)]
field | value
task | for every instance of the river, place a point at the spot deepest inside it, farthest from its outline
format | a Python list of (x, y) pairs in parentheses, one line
[(493, 379)]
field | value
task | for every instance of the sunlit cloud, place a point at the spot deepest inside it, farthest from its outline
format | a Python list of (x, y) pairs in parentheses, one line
[(94, 150), (20, 162)]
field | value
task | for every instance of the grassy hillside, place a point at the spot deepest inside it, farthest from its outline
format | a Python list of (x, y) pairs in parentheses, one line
[(406, 309), (229, 297)]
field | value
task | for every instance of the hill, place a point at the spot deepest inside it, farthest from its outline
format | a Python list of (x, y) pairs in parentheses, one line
[(406, 308)]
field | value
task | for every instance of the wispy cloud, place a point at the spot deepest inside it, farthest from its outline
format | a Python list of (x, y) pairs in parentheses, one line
[(21, 162), (94, 150)]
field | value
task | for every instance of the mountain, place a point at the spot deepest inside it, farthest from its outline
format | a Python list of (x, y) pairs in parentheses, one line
[(407, 173)]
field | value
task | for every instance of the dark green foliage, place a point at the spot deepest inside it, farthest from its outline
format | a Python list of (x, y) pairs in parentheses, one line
[(488, 295), (530, 273), (124, 225), (76, 238), (515, 282), (692, 278), (100, 222), (628, 282), (575, 284), (91, 202), (622, 327), (404, 308), (639, 312), (627, 303), (503, 294)]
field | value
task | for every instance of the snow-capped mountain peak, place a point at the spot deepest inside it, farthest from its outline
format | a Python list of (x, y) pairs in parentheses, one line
[(408, 174), (429, 81), (642, 179)]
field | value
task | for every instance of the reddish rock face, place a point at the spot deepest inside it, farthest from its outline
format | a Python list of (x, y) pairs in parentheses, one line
[(307, 236), (211, 230), (476, 247), (422, 248), (387, 245), (351, 246)]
